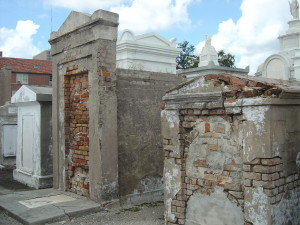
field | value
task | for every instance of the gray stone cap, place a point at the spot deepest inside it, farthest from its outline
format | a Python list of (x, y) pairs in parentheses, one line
[(77, 20), (234, 90), (146, 75), (32, 94), (212, 66)]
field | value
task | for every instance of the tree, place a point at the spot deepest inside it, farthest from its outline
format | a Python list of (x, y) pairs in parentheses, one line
[(186, 58), (224, 59)]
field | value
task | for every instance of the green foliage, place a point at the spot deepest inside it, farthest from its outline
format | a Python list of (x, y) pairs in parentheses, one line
[(186, 58), (224, 59)]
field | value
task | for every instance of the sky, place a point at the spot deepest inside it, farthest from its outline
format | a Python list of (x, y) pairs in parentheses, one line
[(247, 29)]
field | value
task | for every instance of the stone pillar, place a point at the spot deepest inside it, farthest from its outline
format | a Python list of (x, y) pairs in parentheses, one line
[(85, 106)]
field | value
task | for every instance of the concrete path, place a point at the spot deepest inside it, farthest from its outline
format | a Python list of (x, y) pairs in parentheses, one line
[(20, 204), (30, 206), (8, 185), (45, 205)]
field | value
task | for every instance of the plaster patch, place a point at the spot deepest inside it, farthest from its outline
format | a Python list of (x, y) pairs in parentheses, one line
[(214, 209), (172, 186), (110, 188), (168, 212), (171, 116), (257, 207), (192, 86), (256, 115), (200, 83), (287, 211), (151, 184), (218, 159), (298, 160)]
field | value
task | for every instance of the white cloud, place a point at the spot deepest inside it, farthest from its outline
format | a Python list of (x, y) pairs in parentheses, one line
[(145, 15), (90, 5), (254, 36), (18, 42), (137, 15)]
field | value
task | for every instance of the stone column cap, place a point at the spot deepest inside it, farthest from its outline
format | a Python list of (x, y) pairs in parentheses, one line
[(77, 20)]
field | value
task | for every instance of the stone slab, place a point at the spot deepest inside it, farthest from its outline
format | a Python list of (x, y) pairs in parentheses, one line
[(60, 205), (38, 202)]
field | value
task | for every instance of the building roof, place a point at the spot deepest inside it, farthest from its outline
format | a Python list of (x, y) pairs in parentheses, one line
[(27, 65)]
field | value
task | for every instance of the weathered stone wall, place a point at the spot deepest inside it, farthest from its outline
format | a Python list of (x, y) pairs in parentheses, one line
[(231, 152), (140, 153)]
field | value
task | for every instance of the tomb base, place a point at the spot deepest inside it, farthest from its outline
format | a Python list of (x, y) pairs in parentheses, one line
[(32, 180)]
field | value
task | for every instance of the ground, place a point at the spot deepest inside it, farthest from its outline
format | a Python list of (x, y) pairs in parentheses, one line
[(136, 215), (151, 214), (146, 214)]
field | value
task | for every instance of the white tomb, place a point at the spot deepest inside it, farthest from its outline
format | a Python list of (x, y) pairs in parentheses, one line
[(148, 52), (8, 135), (285, 65), (208, 64), (34, 151)]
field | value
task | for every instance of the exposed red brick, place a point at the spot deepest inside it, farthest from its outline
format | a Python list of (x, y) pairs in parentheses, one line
[(207, 127), (211, 76), (162, 105), (106, 74), (251, 83), (272, 161), (217, 112), (234, 87), (225, 78), (200, 163), (238, 81), (249, 93), (76, 128), (233, 167), (213, 147)]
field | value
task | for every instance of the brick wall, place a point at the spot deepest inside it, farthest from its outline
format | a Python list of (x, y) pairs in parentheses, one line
[(33, 79), (76, 92), (269, 174), (213, 127)]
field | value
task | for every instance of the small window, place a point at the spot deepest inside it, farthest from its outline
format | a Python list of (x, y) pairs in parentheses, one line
[(36, 66), (22, 78)]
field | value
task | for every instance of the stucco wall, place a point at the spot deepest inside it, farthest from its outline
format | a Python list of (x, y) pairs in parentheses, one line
[(140, 154)]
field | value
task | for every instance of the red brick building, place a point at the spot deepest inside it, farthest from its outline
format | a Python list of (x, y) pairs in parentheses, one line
[(15, 72)]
